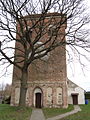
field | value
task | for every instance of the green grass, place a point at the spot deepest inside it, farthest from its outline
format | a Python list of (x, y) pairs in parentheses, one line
[(83, 115), (14, 113), (50, 112)]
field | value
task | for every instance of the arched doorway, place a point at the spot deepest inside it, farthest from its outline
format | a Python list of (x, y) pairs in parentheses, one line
[(38, 98)]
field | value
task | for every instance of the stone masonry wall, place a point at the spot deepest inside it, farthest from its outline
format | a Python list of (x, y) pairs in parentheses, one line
[(50, 73)]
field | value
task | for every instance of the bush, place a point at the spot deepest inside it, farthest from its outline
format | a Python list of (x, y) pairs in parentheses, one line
[(6, 100)]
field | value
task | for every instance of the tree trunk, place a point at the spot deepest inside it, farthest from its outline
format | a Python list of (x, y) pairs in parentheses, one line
[(23, 88)]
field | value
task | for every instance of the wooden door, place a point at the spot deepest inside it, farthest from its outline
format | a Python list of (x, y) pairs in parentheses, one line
[(38, 100), (75, 99)]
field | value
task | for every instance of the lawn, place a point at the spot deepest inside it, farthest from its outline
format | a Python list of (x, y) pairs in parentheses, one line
[(83, 115), (14, 113), (50, 112)]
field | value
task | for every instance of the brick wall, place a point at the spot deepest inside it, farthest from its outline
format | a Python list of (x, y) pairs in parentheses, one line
[(43, 74)]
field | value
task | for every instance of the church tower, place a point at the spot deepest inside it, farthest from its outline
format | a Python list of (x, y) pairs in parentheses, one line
[(47, 77)]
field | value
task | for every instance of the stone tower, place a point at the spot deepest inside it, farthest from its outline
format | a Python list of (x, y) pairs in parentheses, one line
[(47, 79)]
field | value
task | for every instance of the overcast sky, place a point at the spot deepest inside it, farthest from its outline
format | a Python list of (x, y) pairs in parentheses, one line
[(79, 70), (78, 73), (74, 70)]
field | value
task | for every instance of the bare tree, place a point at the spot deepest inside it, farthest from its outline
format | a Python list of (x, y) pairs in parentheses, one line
[(14, 27)]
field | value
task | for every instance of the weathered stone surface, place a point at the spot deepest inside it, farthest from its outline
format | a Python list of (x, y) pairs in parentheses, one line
[(48, 76)]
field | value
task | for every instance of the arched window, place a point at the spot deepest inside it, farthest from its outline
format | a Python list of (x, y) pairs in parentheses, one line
[(49, 95), (27, 96), (17, 95), (59, 96)]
